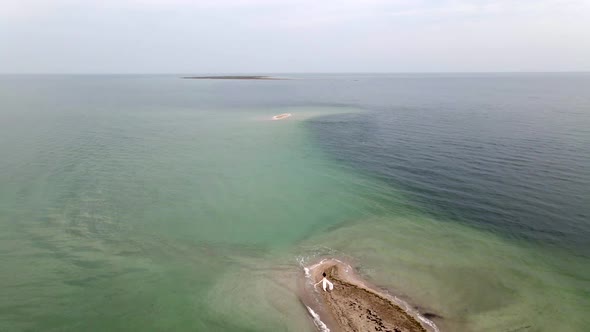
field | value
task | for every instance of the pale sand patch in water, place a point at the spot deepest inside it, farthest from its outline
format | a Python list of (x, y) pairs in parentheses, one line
[(354, 305), (281, 116)]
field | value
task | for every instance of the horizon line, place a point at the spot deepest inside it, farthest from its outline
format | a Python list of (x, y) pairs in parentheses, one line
[(302, 73)]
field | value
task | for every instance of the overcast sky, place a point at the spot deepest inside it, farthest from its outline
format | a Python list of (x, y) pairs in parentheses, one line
[(241, 36)]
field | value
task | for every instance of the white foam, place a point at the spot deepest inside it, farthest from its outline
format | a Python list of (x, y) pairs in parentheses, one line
[(317, 321), (428, 322)]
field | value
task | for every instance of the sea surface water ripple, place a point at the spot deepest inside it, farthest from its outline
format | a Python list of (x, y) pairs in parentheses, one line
[(149, 202)]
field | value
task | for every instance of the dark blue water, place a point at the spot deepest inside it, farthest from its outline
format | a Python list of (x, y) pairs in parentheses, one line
[(507, 153)]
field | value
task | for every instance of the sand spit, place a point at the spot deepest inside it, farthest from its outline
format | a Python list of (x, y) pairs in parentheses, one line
[(354, 306), (281, 116), (238, 77)]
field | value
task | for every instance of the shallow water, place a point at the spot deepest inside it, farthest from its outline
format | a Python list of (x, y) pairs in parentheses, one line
[(151, 202)]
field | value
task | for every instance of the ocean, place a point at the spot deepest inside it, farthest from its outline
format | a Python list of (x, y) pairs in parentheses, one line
[(152, 202)]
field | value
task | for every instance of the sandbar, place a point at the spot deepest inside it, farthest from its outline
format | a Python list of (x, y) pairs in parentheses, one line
[(281, 116), (355, 306)]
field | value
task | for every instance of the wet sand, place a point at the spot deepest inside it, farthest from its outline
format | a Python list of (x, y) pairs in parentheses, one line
[(354, 306), (281, 116)]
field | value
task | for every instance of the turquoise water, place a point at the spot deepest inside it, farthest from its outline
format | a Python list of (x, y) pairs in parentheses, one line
[(155, 203)]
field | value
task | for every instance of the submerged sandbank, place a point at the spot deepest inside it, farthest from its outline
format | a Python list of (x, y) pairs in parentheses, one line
[(353, 305)]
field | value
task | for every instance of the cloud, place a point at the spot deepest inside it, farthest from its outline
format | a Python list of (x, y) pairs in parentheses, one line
[(327, 11), (293, 35)]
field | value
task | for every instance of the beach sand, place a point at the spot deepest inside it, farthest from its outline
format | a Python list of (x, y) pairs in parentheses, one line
[(354, 306), (281, 116)]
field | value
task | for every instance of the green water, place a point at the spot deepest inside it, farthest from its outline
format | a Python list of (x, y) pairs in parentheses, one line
[(115, 218), (130, 223)]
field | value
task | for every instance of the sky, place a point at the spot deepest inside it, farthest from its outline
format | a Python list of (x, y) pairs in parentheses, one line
[(293, 36)]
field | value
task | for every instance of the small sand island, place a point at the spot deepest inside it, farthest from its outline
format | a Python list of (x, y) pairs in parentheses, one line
[(353, 306), (238, 77), (281, 116)]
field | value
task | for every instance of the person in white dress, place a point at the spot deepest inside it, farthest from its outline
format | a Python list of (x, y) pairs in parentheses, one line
[(325, 283)]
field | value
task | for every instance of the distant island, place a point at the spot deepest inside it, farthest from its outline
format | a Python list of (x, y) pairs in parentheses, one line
[(239, 77)]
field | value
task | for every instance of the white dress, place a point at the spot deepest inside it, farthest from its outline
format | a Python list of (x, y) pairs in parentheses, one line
[(325, 282)]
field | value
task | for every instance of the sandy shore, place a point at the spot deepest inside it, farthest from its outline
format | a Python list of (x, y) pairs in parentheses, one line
[(354, 306)]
